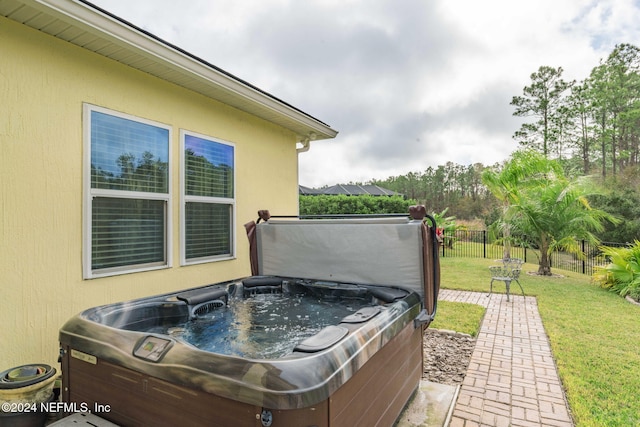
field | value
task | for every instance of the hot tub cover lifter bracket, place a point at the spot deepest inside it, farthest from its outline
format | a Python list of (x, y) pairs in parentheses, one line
[(431, 265)]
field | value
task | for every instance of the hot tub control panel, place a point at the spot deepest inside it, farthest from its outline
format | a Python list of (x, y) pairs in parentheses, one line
[(152, 348)]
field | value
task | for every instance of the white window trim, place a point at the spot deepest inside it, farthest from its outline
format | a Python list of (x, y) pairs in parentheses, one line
[(184, 198), (89, 194)]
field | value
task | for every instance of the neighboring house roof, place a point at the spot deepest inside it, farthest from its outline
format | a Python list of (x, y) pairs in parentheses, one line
[(350, 190), (307, 191), (95, 29)]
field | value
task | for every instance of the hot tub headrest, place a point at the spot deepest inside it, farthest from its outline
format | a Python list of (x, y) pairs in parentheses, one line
[(198, 296), (387, 294), (253, 282), (324, 339)]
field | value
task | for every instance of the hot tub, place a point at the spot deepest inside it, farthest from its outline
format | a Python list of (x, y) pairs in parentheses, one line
[(327, 332)]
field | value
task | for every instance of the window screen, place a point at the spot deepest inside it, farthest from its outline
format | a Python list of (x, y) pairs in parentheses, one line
[(208, 197), (127, 232)]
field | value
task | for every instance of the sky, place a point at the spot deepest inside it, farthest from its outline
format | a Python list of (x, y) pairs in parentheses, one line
[(408, 84)]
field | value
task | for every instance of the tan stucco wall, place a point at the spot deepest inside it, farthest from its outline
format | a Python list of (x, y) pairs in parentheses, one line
[(43, 84)]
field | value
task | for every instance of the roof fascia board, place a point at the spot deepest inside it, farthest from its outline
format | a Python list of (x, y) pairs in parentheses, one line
[(93, 21)]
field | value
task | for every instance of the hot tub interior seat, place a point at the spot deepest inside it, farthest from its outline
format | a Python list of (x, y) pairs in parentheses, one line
[(142, 316), (332, 334)]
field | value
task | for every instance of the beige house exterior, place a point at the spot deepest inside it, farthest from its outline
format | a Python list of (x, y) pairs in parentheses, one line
[(77, 87)]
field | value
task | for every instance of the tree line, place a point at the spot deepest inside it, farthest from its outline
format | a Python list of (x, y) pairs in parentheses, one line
[(592, 125), (456, 187)]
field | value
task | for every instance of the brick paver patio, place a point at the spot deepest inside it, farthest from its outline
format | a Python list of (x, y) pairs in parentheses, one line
[(512, 378)]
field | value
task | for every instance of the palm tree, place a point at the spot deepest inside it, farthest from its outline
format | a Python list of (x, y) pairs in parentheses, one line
[(556, 215), (525, 168), (539, 202)]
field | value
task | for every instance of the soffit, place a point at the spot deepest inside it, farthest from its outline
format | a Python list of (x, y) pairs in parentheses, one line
[(96, 30)]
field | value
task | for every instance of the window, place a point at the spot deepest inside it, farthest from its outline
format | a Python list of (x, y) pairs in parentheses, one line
[(208, 199), (127, 193)]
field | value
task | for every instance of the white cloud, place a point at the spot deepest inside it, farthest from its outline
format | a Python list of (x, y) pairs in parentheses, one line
[(409, 84)]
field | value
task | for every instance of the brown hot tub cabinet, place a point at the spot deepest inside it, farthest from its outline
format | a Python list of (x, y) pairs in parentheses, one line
[(345, 300)]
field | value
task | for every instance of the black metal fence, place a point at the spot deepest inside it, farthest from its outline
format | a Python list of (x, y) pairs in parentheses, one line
[(475, 244)]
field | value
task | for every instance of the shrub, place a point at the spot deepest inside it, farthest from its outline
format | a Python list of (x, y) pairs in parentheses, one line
[(342, 204), (622, 274)]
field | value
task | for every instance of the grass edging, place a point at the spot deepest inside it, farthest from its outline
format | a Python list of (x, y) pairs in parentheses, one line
[(459, 317)]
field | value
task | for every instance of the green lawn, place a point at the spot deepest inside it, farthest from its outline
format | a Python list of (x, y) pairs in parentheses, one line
[(464, 248), (594, 335), (459, 317)]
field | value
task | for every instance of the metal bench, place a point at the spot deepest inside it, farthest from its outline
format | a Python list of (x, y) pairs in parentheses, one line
[(508, 272)]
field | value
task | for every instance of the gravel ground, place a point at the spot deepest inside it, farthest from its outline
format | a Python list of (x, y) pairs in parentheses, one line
[(446, 356)]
